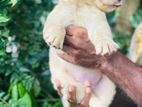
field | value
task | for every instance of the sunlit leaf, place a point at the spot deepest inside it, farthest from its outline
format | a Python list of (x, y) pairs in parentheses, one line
[(15, 92), (21, 90), (2, 105), (25, 101), (4, 18), (13, 2)]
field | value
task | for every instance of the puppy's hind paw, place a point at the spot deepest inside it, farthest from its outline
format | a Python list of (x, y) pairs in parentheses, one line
[(105, 47)]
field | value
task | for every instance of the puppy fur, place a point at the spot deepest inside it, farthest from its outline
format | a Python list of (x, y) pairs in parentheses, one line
[(89, 14)]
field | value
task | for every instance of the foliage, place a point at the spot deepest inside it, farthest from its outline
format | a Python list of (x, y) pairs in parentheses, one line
[(136, 19), (24, 75)]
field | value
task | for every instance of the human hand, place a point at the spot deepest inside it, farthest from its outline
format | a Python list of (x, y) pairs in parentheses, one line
[(72, 95), (78, 49)]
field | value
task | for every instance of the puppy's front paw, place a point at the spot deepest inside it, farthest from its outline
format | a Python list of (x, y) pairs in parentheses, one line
[(105, 46), (55, 38), (55, 41)]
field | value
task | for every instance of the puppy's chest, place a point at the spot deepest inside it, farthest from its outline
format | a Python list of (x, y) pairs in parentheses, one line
[(87, 17)]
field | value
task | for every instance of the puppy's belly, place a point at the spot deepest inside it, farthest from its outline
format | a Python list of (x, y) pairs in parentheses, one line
[(82, 75)]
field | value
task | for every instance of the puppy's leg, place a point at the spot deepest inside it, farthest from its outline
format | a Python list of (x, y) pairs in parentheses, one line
[(95, 102), (54, 35), (104, 45), (58, 73), (65, 102), (65, 97), (103, 93), (65, 82), (102, 38), (54, 29), (64, 90)]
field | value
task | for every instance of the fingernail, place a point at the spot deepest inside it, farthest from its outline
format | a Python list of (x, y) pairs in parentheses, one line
[(58, 82), (88, 90), (71, 88)]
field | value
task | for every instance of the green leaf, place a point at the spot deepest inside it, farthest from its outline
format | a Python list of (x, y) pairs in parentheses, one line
[(21, 90), (24, 69), (25, 101), (15, 92), (13, 103), (6, 97), (3, 3), (136, 19), (1, 105), (2, 52), (4, 18), (13, 2), (58, 104), (36, 87)]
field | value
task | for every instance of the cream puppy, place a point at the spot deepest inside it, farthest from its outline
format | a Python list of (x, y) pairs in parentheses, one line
[(135, 51), (91, 15)]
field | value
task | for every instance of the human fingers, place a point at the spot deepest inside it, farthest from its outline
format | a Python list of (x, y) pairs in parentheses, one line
[(78, 57), (77, 31), (78, 43), (69, 52), (72, 95), (85, 101), (68, 58), (59, 88)]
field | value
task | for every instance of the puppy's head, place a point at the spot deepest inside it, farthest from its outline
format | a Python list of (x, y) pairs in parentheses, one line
[(108, 5)]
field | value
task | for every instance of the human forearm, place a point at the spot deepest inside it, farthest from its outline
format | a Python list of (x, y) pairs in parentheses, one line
[(125, 74), (80, 51)]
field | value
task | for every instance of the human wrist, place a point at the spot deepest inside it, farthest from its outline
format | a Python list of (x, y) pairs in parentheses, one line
[(125, 74), (107, 61)]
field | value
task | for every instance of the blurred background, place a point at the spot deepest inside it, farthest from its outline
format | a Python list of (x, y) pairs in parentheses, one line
[(24, 71)]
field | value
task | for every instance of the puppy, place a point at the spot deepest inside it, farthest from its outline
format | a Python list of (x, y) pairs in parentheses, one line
[(135, 50), (89, 14)]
